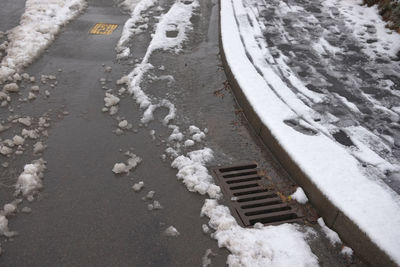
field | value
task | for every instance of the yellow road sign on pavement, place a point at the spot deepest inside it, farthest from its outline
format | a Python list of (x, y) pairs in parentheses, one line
[(103, 28)]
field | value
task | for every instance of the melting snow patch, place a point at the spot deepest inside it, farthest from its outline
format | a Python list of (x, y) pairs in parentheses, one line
[(206, 258), (30, 180), (198, 136), (132, 162), (38, 147), (11, 87), (176, 135), (194, 174), (111, 100), (5, 150), (330, 234), (39, 24), (189, 143), (171, 231), (26, 210), (122, 124), (136, 16), (283, 245), (205, 228), (27, 121), (138, 186), (347, 251), (300, 196), (32, 134), (150, 195), (4, 227)]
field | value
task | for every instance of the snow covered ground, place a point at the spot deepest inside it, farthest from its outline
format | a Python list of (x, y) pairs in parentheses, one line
[(325, 81)]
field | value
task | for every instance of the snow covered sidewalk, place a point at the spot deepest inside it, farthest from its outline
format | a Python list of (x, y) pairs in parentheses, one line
[(321, 130)]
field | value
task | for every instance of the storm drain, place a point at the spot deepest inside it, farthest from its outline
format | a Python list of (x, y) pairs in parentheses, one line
[(251, 201)]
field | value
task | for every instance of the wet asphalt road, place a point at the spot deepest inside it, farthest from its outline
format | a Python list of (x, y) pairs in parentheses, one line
[(86, 215)]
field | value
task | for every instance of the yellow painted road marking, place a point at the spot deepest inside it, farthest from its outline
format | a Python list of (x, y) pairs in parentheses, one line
[(103, 28)]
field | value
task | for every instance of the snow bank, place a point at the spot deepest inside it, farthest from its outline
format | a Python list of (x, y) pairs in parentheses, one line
[(38, 27), (282, 245), (373, 206)]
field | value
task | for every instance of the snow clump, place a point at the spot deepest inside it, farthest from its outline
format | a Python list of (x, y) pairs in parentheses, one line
[(300, 196), (171, 231), (330, 234), (132, 162), (111, 100), (346, 251), (194, 174), (138, 186), (27, 121), (38, 148), (11, 87), (30, 180), (189, 143), (4, 227)]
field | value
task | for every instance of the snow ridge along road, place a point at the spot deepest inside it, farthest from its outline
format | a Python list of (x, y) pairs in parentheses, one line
[(364, 210), (39, 24)]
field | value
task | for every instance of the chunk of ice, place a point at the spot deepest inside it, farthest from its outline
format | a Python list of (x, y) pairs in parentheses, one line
[(138, 186), (171, 231)]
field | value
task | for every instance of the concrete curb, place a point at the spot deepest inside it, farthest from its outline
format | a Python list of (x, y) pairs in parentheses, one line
[(348, 231)]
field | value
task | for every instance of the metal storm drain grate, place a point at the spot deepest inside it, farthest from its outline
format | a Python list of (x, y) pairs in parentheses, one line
[(251, 200)]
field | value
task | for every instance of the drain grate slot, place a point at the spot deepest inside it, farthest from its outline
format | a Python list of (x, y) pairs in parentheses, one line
[(262, 203), (250, 201), (243, 186), (267, 209), (242, 180), (239, 174), (238, 167), (248, 192), (252, 198)]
